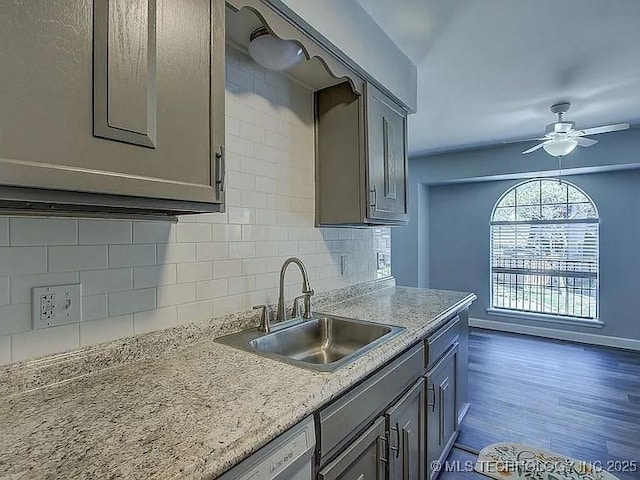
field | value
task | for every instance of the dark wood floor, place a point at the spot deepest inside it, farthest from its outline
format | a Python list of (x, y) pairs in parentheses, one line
[(577, 400)]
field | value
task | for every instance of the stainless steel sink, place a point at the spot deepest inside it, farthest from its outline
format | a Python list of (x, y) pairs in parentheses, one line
[(323, 343)]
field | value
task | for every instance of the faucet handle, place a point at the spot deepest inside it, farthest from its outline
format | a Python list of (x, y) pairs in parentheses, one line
[(265, 325), (307, 303)]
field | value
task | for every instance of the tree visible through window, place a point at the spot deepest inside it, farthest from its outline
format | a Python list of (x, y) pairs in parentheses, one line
[(544, 250)]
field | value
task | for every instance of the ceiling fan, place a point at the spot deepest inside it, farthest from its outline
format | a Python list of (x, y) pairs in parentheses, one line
[(561, 137)]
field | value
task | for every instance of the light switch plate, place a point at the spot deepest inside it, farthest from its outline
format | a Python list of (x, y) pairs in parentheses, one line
[(56, 305)]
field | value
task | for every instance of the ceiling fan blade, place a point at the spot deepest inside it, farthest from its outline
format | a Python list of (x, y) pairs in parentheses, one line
[(586, 142), (533, 149), (524, 140), (604, 129)]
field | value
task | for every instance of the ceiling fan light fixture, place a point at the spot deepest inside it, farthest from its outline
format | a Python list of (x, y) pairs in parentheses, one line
[(272, 52), (561, 137), (561, 147)]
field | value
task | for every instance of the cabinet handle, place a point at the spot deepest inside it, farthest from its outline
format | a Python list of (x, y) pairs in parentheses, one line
[(374, 197), (432, 394), (407, 451), (220, 169), (442, 422)]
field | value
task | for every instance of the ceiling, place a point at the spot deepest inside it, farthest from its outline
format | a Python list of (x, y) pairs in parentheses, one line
[(489, 70)]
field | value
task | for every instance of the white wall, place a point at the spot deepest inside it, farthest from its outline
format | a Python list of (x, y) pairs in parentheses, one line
[(143, 276)]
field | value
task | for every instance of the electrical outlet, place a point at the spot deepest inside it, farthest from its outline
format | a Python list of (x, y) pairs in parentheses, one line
[(47, 307), (382, 260), (344, 265), (56, 305)]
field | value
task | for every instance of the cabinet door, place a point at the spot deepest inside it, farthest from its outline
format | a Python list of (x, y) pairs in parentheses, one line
[(121, 97), (405, 430), (364, 459), (442, 416), (387, 158)]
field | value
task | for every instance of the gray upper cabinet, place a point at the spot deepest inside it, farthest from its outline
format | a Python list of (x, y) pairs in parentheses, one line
[(121, 98), (361, 158), (386, 158)]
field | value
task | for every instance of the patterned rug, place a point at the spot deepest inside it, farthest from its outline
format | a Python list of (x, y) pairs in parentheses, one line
[(515, 461)]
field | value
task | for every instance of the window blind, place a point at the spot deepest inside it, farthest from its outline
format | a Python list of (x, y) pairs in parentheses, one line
[(546, 266)]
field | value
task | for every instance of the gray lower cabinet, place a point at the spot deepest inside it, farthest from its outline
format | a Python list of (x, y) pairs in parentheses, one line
[(361, 158), (442, 414), (363, 459), (116, 97), (408, 410), (406, 435)]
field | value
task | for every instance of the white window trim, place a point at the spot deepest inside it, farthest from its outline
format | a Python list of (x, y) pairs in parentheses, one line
[(545, 317)]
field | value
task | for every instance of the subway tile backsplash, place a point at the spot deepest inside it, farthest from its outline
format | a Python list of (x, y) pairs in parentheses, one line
[(141, 276)]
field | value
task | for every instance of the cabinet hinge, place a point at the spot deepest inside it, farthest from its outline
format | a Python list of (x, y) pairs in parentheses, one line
[(382, 450), (395, 449), (432, 394)]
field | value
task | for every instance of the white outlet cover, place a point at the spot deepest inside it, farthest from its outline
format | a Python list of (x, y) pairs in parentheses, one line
[(56, 305)]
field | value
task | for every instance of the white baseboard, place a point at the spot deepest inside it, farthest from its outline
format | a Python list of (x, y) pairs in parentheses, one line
[(463, 412), (589, 338)]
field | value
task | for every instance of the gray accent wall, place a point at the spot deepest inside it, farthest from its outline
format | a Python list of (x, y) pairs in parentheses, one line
[(446, 244), (459, 246)]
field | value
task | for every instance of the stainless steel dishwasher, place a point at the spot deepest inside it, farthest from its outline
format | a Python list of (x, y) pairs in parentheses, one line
[(288, 457)]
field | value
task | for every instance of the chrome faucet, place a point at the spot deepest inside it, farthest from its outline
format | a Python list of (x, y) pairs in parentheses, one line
[(306, 290)]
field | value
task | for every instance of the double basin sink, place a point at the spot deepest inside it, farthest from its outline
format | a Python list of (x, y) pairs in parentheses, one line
[(323, 343)]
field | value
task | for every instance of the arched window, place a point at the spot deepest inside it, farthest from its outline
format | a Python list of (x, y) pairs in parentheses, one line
[(544, 250)]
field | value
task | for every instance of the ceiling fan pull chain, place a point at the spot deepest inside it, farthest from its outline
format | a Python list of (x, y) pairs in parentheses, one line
[(560, 168)]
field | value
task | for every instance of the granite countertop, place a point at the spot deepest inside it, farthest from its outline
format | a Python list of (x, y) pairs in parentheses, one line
[(193, 413)]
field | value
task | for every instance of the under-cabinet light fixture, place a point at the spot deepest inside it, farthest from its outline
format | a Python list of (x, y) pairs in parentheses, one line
[(272, 52)]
